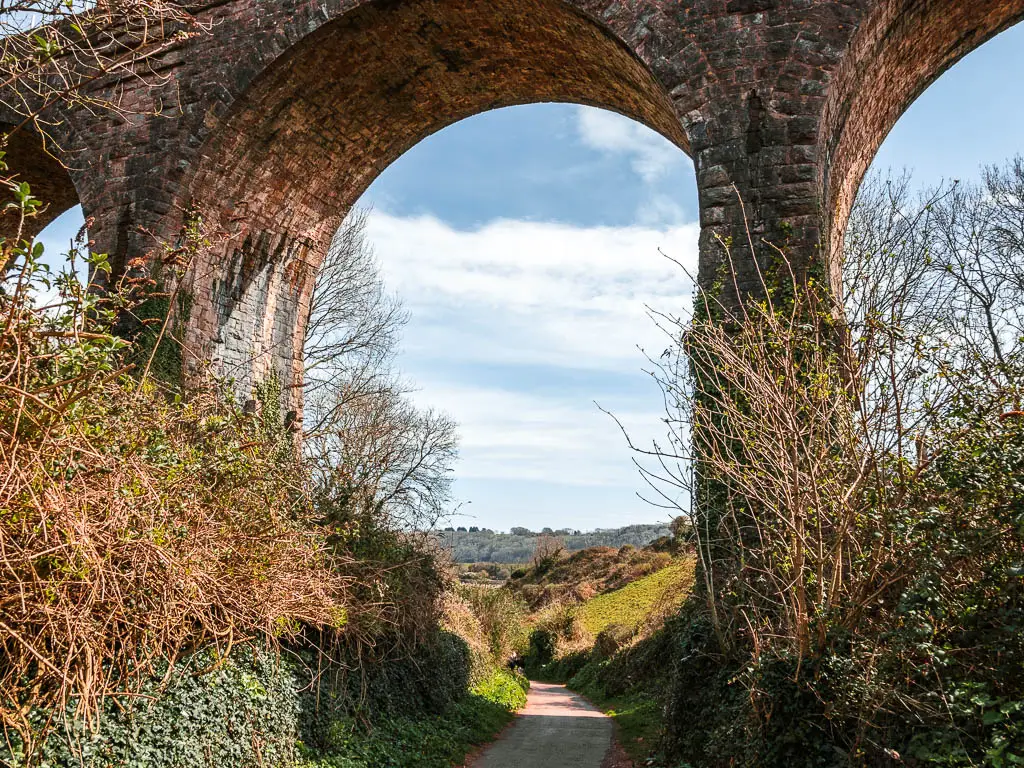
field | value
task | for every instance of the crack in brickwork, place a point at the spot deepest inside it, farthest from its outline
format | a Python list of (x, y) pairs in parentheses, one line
[(277, 120)]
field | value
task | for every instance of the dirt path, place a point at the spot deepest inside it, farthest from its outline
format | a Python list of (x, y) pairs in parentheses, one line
[(557, 729)]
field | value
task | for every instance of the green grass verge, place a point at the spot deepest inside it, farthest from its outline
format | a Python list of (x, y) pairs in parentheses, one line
[(437, 741), (637, 718), (632, 604)]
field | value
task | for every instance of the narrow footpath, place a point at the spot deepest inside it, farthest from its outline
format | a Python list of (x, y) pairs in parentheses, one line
[(557, 729)]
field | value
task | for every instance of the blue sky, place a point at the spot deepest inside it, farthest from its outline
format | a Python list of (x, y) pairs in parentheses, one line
[(525, 244)]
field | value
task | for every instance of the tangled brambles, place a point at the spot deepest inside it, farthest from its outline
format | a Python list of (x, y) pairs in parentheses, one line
[(135, 526)]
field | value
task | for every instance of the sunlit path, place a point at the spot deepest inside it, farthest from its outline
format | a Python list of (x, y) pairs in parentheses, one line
[(557, 729)]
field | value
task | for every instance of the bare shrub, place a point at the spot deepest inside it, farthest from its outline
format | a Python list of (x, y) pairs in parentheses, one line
[(460, 617), (548, 551), (135, 527), (372, 450), (850, 472), (798, 437), (562, 622)]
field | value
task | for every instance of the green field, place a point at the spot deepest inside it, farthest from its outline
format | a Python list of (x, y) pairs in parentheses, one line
[(632, 604)]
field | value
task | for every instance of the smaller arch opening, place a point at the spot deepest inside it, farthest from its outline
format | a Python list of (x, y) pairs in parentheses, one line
[(30, 160), (900, 49), (935, 236)]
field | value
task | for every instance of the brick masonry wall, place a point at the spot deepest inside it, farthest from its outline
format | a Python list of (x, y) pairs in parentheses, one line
[(50, 182), (900, 48), (278, 116)]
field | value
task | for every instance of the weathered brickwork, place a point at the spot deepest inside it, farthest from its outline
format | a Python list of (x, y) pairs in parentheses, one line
[(49, 180), (900, 48), (276, 120)]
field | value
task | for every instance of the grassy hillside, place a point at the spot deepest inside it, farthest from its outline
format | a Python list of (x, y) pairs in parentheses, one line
[(580, 576), (633, 604)]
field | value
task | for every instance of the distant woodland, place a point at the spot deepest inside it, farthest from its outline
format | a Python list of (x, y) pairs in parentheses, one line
[(482, 545)]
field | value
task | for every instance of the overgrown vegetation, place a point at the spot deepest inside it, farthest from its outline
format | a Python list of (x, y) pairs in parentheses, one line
[(136, 527), (180, 587), (859, 497)]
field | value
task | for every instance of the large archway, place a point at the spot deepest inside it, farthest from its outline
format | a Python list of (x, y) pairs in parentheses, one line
[(524, 245), (311, 134)]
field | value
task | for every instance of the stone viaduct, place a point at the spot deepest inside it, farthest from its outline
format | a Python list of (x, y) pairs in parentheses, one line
[(276, 120)]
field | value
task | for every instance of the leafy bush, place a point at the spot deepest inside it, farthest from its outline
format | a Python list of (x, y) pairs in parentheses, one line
[(502, 616), (255, 710), (506, 688), (563, 668), (245, 712), (543, 645), (611, 639), (420, 682), (436, 741)]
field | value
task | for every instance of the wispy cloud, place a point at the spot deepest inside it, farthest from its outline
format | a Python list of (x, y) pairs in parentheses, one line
[(654, 159), (525, 300), (652, 155), (533, 293)]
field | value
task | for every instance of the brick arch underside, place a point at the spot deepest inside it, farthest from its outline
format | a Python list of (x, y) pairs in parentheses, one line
[(31, 160), (313, 132), (900, 49)]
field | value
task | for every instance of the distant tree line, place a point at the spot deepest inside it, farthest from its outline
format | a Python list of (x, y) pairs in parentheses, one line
[(482, 545)]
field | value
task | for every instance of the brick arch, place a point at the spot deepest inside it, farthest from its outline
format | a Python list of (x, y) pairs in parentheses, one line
[(901, 48), (35, 161), (281, 111), (313, 131)]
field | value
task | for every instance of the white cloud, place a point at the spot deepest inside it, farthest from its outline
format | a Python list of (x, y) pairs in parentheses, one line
[(652, 155), (527, 296), (509, 435), (533, 293), (660, 210)]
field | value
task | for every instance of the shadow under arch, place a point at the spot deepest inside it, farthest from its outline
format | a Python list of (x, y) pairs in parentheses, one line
[(899, 50), (315, 129), (30, 160)]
